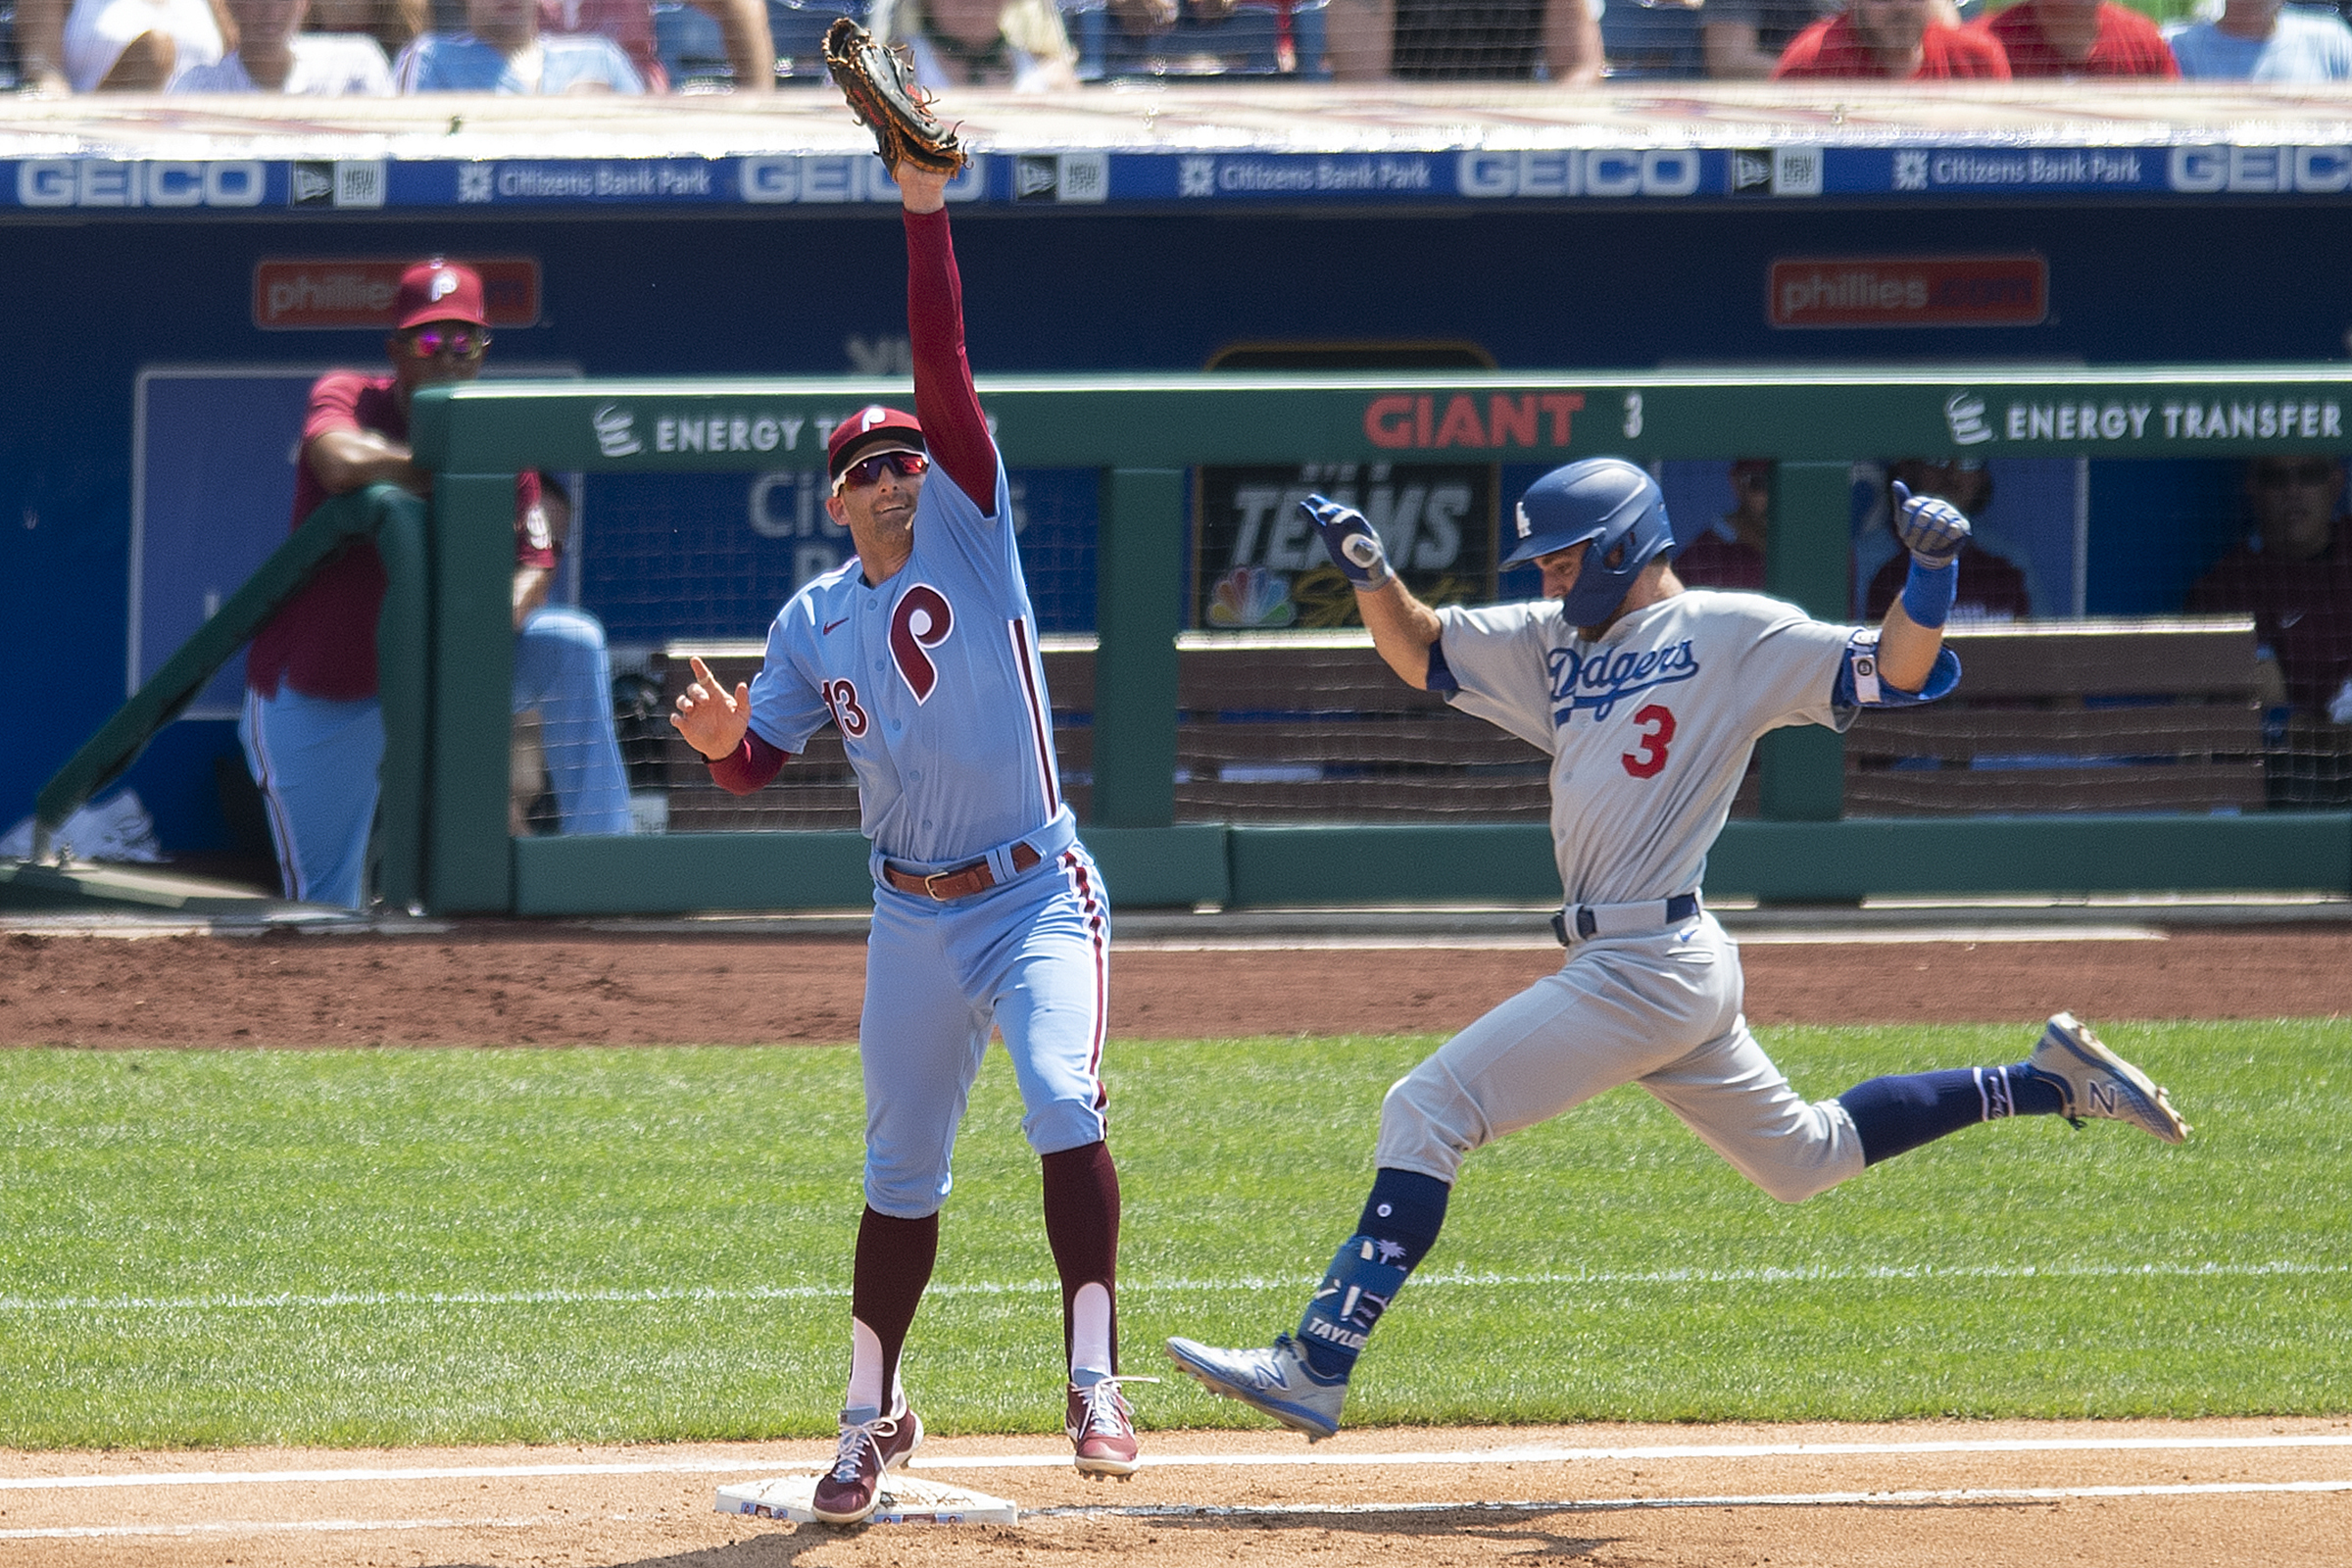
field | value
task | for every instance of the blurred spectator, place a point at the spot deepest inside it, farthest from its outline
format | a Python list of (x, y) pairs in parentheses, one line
[(118, 45), (1900, 39), (988, 43), (1463, 40), (1743, 38), (272, 55), (1730, 553), (1991, 588), (2081, 38), (313, 724), (2293, 574), (2262, 40), (506, 52), (742, 30), (392, 23)]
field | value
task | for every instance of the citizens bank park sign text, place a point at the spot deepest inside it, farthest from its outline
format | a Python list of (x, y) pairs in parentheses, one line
[(1175, 178)]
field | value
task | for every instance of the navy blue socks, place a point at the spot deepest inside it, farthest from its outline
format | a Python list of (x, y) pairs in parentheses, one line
[(1399, 1226), (1896, 1113)]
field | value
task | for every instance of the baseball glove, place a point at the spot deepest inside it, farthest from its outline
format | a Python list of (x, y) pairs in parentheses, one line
[(880, 86)]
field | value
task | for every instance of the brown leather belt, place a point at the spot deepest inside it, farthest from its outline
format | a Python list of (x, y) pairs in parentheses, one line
[(958, 881)]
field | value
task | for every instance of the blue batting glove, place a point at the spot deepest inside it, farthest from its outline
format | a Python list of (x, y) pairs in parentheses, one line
[(1353, 544), (1930, 528)]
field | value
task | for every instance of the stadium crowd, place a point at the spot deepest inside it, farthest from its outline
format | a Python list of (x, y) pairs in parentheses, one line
[(380, 47)]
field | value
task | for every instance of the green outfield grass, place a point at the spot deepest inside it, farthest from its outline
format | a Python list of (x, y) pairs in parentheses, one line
[(375, 1247)]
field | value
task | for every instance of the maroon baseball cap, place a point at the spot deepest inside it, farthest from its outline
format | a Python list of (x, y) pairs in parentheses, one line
[(872, 428), (440, 291)]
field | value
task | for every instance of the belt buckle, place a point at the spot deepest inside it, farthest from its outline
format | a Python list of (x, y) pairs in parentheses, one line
[(931, 884)]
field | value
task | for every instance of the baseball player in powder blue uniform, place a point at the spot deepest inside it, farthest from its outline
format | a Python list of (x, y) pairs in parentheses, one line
[(1649, 698), (922, 651)]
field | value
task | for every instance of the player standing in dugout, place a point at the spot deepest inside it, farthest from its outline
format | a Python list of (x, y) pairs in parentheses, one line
[(922, 651), (1649, 697)]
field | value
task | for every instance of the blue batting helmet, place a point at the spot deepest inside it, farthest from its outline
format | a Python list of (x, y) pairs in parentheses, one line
[(1607, 502)]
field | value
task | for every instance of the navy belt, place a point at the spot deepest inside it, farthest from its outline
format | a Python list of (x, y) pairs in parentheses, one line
[(1590, 920)]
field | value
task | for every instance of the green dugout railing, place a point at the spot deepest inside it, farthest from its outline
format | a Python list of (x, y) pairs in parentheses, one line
[(396, 521), (446, 637), (1143, 432)]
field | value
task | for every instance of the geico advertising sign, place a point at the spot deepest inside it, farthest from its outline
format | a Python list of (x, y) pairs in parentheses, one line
[(1580, 172), (835, 179), (105, 182), (2309, 171)]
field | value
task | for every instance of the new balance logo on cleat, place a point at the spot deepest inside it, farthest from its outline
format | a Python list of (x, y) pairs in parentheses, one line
[(2093, 1081), (1275, 1382)]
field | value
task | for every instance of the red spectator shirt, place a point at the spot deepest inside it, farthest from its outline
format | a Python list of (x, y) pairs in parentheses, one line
[(2302, 612), (1715, 560), (2129, 45), (322, 642), (1991, 588), (1833, 48)]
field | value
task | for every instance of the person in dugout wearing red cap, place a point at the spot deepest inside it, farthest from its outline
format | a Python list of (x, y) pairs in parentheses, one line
[(312, 728)]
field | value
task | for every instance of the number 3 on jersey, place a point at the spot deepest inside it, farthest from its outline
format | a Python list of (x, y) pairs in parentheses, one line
[(1656, 723)]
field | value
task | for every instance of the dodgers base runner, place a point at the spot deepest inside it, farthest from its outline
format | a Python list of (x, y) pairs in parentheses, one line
[(1649, 698), (922, 651)]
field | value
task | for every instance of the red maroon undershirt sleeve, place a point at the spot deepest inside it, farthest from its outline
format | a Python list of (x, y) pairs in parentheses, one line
[(750, 766), (953, 427)]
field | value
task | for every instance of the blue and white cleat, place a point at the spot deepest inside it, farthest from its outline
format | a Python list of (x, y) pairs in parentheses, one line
[(2096, 1082), (1277, 1382)]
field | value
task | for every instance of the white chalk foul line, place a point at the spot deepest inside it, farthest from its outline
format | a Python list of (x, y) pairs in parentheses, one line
[(1710, 1450), (1773, 1499), (262, 1527), (1303, 1458), (1540, 941), (1452, 1278)]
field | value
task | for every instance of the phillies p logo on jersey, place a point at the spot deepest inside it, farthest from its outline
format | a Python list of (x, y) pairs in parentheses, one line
[(921, 621)]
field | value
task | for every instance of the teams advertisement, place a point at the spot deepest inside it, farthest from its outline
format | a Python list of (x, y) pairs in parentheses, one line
[(1258, 565)]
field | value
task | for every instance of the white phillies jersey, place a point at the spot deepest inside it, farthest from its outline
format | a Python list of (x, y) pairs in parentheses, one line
[(933, 679), (1650, 728)]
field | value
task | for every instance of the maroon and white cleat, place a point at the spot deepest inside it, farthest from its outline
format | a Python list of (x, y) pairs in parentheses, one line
[(850, 1492), (1101, 1429)]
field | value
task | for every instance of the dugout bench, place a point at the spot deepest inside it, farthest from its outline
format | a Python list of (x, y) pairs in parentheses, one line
[(2090, 716)]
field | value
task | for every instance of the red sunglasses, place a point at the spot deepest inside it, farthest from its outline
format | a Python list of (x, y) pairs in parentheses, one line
[(466, 343), (869, 471)]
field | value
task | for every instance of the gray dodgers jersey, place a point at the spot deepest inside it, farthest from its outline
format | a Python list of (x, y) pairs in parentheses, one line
[(933, 679), (1650, 728)]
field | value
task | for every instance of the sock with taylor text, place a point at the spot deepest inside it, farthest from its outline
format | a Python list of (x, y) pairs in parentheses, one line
[(1399, 1226)]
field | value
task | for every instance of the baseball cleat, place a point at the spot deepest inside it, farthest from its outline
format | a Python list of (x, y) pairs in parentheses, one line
[(1101, 1429), (2096, 1082), (850, 1492), (1276, 1382)]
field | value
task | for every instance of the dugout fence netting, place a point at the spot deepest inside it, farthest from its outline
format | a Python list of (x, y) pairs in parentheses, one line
[(2167, 636)]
